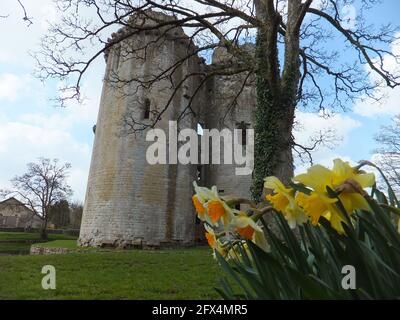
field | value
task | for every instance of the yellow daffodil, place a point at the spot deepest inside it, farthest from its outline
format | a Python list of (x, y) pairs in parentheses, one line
[(205, 194), (213, 241), (210, 207), (315, 205), (199, 206), (342, 171), (210, 236), (245, 226), (260, 240), (283, 200), (344, 179)]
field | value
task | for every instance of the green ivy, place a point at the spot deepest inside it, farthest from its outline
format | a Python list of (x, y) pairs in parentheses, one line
[(267, 115), (273, 118)]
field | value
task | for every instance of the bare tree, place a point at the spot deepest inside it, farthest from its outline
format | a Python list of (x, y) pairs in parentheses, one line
[(298, 29), (389, 151), (27, 19), (40, 187)]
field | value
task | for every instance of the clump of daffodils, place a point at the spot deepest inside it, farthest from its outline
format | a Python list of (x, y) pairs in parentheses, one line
[(334, 194), (321, 192), (226, 227)]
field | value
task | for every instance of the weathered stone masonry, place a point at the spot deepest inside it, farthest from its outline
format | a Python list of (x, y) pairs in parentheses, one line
[(129, 202)]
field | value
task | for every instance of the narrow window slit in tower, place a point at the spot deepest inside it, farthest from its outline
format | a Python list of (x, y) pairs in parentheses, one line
[(117, 54), (146, 114)]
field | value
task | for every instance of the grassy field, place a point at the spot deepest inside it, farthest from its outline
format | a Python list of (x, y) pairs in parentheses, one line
[(168, 274), (20, 242)]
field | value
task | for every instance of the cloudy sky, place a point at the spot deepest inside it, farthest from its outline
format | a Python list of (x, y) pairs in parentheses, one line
[(32, 126)]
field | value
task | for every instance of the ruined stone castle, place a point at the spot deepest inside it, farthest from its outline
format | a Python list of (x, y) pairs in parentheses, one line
[(130, 203)]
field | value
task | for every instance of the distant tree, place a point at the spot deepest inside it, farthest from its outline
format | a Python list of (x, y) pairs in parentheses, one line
[(40, 187), (389, 150), (60, 213), (76, 211)]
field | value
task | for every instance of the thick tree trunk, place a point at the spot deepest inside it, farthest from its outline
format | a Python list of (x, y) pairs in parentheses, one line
[(43, 231), (276, 95), (273, 138)]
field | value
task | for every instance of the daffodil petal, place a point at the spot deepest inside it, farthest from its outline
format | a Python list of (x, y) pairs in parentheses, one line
[(365, 180), (317, 177), (275, 184)]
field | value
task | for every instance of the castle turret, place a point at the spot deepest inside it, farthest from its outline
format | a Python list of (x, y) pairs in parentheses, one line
[(128, 201)]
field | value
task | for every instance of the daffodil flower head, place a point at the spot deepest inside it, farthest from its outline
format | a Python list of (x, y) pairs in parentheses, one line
[(205, 194), (283, 200), (342, 171), (210, 207), (210, 236), (315, 205), (199, 206), (342, 175), (214, 242), (245, 226), (281, 197)]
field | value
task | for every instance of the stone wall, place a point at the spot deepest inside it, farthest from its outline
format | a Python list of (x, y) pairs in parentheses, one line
[(129, 201)]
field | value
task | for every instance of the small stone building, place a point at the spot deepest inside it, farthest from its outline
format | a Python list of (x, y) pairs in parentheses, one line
[(14, 214)]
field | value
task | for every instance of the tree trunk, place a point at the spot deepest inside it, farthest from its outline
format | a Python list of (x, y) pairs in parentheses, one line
[(274, 118), (43, 231), (273, 138), (276, 95)]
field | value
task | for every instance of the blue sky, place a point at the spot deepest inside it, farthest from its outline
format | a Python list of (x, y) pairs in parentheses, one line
[(31, 126)]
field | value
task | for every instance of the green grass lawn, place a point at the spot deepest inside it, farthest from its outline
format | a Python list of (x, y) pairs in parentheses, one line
[(168, 274)]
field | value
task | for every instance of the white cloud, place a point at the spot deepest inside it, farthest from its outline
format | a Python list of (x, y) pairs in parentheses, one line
[(30, 125), (21, 143), (310, 124), (349, 16), (42, 130), (11, 85), (74, 114)]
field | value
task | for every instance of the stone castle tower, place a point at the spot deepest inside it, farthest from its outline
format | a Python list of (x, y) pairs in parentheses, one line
[(130, 203)]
